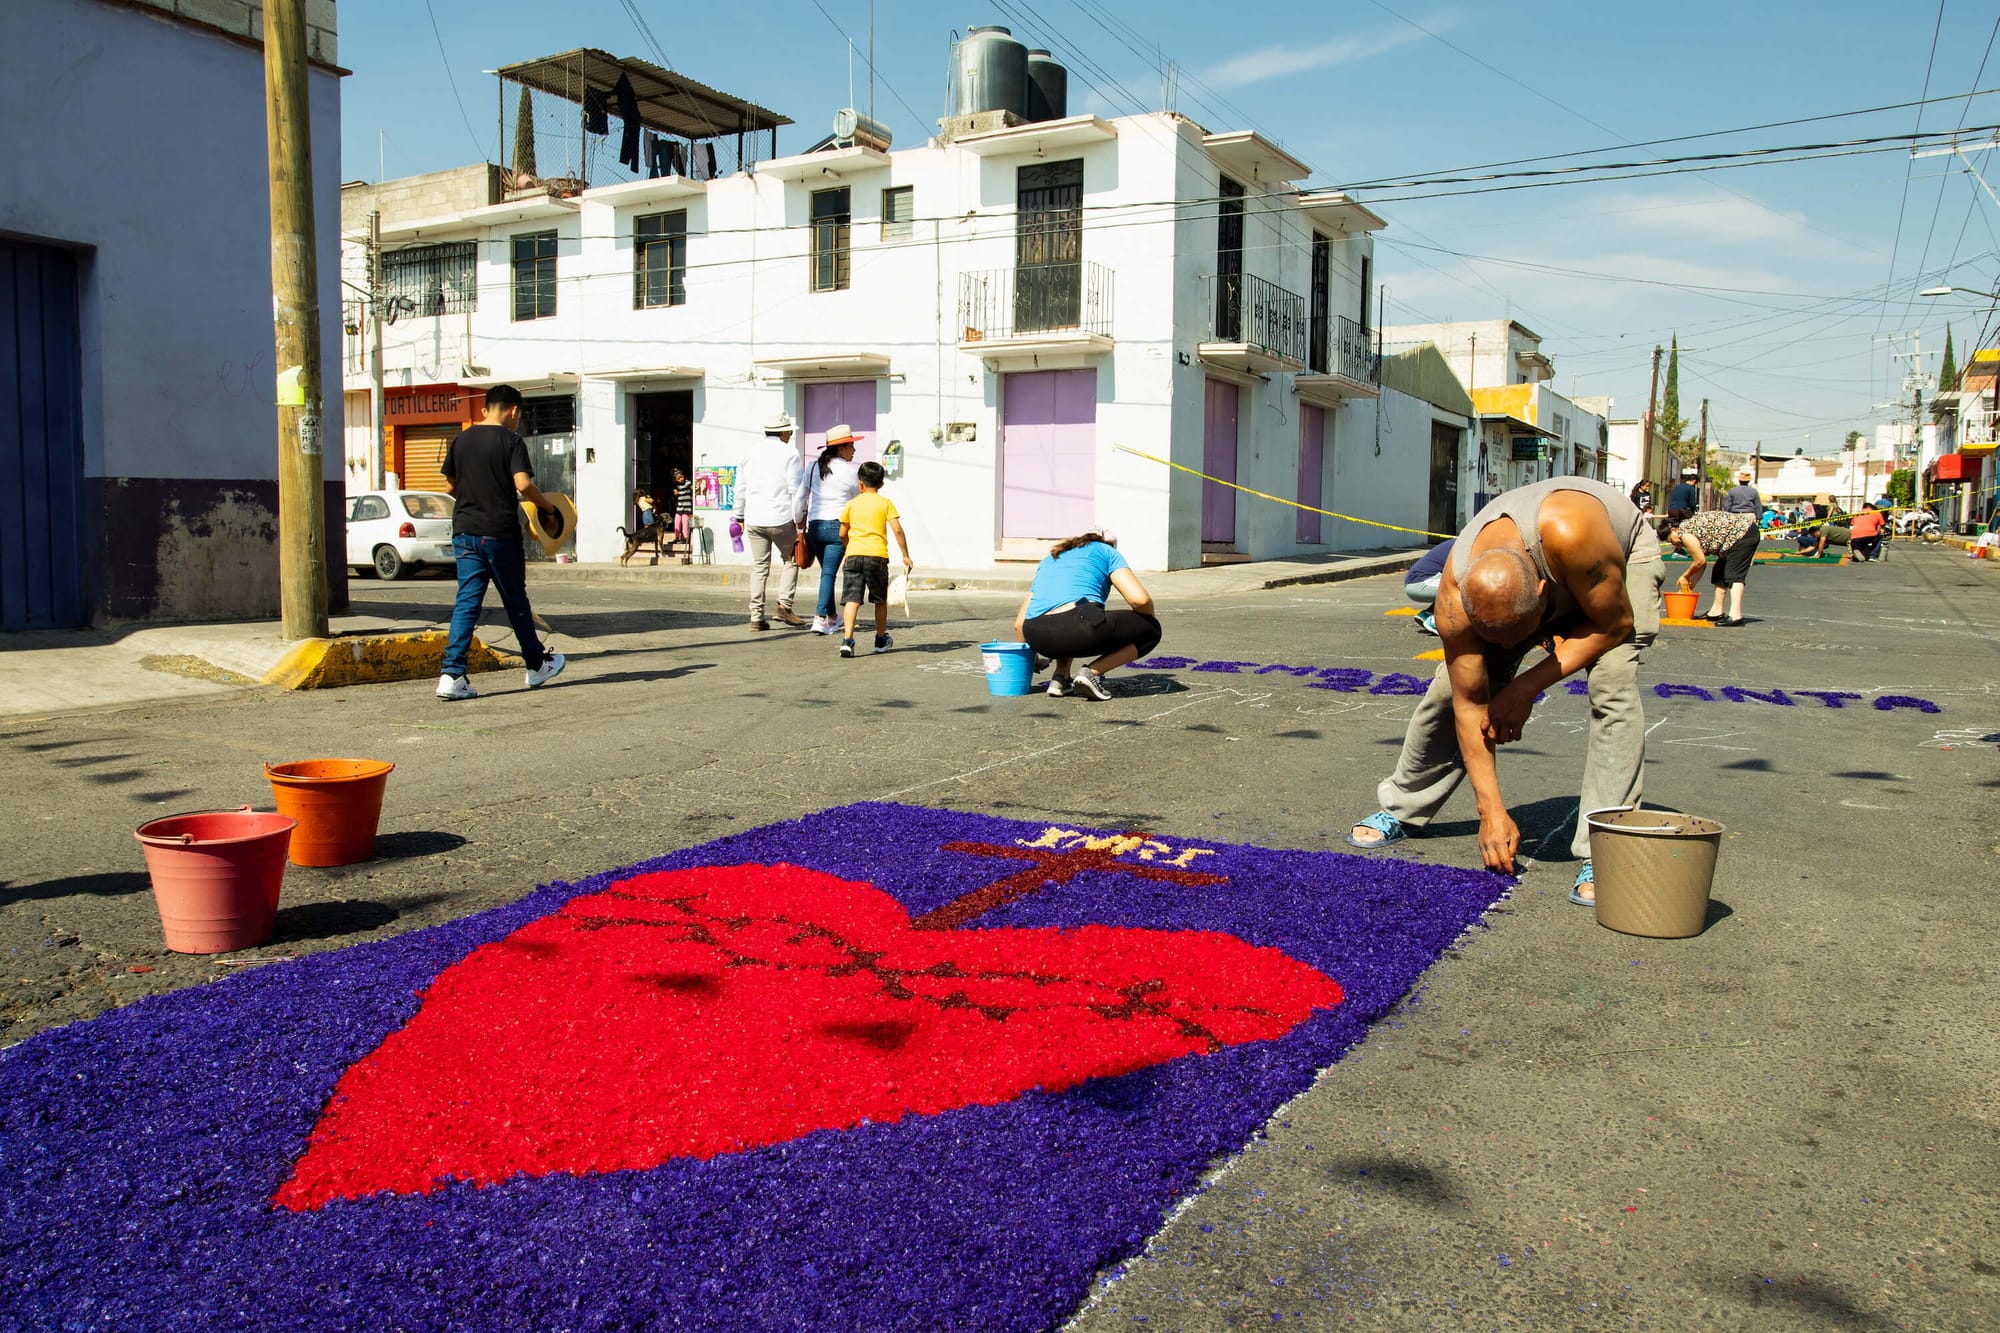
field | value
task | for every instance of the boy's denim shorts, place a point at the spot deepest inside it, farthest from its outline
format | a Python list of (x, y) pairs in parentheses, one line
[(864, 578)]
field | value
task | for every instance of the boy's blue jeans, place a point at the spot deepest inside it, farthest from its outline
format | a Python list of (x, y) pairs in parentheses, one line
[(501, 562)]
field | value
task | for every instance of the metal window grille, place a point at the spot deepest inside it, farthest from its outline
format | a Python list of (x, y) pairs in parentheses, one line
[(898, 213), (535, 275), (548, 416), (659, 260), (831, 224), (440, 279)]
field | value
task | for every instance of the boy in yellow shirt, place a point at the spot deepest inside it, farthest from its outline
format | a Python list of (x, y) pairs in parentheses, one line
[(865, 525)]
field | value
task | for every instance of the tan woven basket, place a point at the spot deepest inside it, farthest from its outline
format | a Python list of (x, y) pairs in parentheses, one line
[(1653, 870)]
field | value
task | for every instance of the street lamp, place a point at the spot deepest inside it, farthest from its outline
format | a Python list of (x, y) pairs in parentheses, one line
[(1963, 291)]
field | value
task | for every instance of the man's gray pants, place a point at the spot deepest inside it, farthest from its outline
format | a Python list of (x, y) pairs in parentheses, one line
[(767, 545), (1430, 767)]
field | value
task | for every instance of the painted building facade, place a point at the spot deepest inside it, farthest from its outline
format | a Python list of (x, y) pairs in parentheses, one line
[(1010, 318), (137, 270)]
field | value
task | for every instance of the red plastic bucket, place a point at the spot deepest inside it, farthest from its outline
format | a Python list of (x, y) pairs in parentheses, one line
[(338, 803), (216, 877)]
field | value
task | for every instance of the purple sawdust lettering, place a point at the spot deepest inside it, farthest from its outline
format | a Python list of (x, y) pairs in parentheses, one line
[(1289, 670), (1832, 698), (1736, 694), (1164, 664), (1888, 701), (1229, 668), (1578, 686), (1345, 679), (1683, 691), (1396, 682)]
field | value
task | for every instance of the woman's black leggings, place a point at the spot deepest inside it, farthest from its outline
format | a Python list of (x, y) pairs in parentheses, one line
[(1088, 630)]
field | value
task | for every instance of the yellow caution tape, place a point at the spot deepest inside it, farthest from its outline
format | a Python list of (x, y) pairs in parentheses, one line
[(1261, 495)]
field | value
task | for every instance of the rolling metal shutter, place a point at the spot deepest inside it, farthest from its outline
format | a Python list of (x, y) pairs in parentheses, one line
[(423, 456)]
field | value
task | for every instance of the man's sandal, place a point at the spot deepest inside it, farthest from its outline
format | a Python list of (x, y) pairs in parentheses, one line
[(1384, 823), (1584, 876)]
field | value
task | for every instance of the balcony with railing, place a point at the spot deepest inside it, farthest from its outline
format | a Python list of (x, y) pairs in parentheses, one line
[(1035, 310), (1341, 363), (1254, 326)]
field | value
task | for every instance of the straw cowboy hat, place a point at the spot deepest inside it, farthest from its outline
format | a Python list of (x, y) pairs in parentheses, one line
[(1690, 471), (841, 434), (552, 539), (779, 424)]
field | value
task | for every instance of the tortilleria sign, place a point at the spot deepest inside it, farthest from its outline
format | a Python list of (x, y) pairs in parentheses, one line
[(433, 403)]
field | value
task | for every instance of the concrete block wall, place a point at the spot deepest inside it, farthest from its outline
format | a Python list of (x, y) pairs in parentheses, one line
[(245, 18)]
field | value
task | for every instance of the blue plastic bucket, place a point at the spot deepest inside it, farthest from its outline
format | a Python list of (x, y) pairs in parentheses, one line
[(1010, 667)]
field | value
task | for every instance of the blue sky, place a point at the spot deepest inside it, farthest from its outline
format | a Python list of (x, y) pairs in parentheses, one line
[(1365, 89)]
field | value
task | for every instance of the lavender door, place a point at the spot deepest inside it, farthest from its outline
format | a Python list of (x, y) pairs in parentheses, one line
[(1218, 459), (849, 403), (1048, 453), (1312, 459)]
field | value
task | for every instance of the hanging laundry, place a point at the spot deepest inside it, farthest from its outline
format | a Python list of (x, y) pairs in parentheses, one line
[(708, 151), (676, 160), (656, 156), (628, 112), (595, 111)]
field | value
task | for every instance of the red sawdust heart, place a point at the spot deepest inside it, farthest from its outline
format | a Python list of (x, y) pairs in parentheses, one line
[(698, 1012)]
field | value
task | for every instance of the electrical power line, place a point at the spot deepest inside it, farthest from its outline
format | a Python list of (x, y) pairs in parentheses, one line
[(478, 148), (1903, 204)]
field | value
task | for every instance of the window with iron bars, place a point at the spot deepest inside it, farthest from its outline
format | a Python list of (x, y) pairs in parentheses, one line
[(831, 223), (437, 279), (659, 260), (549, 416)]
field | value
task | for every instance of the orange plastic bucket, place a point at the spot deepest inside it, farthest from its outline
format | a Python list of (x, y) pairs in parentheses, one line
[(1680, 605), (216, 877), (338, 803)]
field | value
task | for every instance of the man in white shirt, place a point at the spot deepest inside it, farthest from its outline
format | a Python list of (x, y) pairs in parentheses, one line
[(770, 502)]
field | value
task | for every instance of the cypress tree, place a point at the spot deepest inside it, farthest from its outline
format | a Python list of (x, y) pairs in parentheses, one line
[(524, 139), (1948, 372), (1672, 424)]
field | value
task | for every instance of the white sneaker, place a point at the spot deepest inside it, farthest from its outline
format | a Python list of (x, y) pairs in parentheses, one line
[(1058, 687), (1088, 682), (550, 668), (822, 625), (455, 687)]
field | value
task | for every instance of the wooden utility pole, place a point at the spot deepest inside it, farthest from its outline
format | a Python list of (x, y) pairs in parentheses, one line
[(1652, 405), (295, 315)]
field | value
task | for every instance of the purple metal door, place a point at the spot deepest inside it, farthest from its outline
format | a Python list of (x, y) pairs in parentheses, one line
[(849, 403), (1312, 457), (1218, 459), (1048, 453)]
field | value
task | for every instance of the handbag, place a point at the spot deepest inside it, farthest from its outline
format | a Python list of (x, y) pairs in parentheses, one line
[(801, 549)]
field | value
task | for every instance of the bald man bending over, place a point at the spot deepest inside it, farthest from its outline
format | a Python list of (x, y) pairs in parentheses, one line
[(1568, 565)]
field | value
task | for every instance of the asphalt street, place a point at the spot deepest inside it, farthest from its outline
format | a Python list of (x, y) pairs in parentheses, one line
[(1787, 1122)]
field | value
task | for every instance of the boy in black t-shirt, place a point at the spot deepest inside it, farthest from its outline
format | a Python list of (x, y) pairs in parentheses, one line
[(484, 469)]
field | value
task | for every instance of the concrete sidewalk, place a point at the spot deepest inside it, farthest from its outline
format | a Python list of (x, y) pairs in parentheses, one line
[(1209, 581)]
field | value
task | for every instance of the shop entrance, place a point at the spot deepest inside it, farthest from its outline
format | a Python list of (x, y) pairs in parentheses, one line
[(663, 440)]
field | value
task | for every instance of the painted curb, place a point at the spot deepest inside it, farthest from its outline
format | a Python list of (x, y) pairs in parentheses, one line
[(374, 659)]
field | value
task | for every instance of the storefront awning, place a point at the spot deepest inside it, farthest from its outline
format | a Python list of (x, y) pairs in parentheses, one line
[(1953, 467), (839, 365), (648, 373)]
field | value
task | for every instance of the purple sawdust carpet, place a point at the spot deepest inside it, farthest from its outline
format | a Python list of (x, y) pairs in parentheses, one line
[(882, 1067)]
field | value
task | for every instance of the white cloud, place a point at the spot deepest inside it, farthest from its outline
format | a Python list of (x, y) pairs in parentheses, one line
[(1274, 62)]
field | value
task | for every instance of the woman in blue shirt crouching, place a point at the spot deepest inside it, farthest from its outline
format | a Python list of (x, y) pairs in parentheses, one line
[(1064, 615)]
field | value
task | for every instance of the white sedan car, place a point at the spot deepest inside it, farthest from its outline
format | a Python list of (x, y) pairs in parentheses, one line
[(393, 531)]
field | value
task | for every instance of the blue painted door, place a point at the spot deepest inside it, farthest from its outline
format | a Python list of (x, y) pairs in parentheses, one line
[(41, 440)]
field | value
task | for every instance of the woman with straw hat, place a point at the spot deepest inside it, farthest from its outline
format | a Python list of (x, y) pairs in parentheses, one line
[(830, 484)]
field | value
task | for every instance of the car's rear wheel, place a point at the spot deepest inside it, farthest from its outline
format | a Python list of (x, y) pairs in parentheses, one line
[(388, 564)]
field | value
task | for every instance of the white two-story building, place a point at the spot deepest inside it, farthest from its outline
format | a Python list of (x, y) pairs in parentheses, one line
[(1039, 327)]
